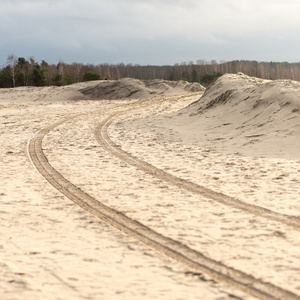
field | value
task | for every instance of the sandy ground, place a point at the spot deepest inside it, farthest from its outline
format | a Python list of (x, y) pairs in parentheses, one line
[(52, 249)]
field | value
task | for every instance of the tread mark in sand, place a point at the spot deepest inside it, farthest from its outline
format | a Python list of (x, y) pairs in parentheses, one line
[(172, 248)]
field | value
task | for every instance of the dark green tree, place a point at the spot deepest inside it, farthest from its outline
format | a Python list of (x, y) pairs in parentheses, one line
[(89, 76), (45, 70), (58, 79), (172, 76), (68, 79), (5, 78), (194, 77), (1, 79), (206, 79), (38, 76)]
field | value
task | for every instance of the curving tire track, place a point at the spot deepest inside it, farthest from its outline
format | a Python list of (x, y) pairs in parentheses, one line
[(195, 260), (103, 139)]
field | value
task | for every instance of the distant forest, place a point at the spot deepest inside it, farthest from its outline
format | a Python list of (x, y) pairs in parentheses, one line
[(27, 72)]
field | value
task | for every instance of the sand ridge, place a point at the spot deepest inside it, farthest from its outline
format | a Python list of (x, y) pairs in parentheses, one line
[(238, 113), (129, 88), (125, 88)]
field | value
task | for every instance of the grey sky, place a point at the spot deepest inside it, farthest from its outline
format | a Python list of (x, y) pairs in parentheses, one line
[(150, 31)]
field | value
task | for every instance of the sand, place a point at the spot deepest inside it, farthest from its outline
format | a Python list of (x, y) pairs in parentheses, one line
[(248, 115), (52, 249)]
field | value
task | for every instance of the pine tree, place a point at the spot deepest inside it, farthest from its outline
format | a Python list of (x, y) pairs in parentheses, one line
[(38, 76), (194, 77)]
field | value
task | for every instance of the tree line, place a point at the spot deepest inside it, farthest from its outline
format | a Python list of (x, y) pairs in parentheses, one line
[(27, 72)]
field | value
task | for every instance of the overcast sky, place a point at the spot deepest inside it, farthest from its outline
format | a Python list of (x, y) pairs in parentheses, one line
[(150, 31)]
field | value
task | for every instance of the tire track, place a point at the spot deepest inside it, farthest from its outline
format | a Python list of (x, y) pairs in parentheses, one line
[(104, 140), (194, 259)]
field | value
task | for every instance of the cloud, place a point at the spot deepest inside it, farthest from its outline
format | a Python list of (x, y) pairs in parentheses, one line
[(118, 28)]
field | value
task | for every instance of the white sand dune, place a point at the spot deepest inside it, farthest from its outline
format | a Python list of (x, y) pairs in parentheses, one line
[(129, 88), (52, 249), (244, 114), (126, 88)]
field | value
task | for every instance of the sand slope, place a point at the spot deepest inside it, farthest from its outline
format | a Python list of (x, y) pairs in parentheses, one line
[(129, 88), (126, 88), (244, 114)]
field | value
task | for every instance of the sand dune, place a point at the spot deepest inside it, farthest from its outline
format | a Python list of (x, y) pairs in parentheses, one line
[(129, 88), (126, 88), (244, 114)]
